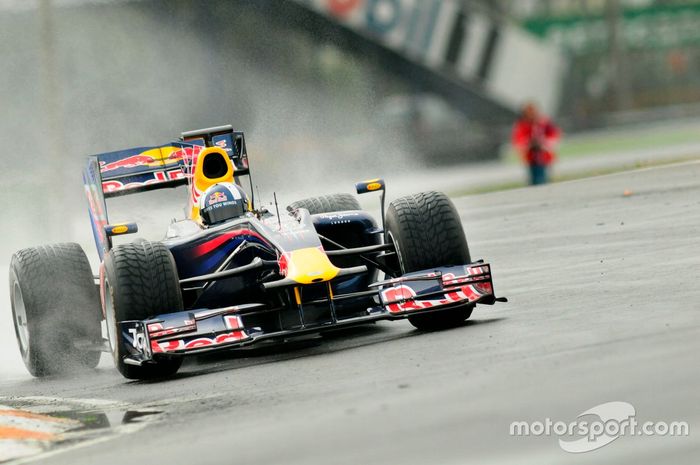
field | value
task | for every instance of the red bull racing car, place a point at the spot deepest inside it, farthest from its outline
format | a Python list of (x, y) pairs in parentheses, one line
[(231, 273)]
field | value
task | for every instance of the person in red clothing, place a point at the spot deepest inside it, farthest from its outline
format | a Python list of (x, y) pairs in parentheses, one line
[(534, 136)]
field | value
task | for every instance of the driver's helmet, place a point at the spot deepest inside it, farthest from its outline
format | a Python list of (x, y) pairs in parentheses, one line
[(222, 202)]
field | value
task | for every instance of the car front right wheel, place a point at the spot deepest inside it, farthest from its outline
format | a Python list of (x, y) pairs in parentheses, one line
[(140, 281), (427, 232)]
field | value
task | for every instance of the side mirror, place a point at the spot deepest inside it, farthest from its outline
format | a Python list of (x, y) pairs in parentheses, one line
[(121, 228), (373, 185)]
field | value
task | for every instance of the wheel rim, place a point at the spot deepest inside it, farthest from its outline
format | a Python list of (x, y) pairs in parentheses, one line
[(20, 312)]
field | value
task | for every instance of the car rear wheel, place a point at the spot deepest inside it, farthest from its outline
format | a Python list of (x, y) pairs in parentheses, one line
[(427, 233), (55, 309), (327, 203), (140, 281)]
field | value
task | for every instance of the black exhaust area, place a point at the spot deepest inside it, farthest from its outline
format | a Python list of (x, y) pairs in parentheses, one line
[(214, 165)]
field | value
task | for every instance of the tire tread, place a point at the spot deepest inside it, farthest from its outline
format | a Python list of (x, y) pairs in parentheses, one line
[(428, 232), (144, 279), (62, 302), (327, 203), (429, 226)]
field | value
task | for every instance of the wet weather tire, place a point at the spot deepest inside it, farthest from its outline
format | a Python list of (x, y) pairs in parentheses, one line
[(427, 232), (327, 203), (55, 309), (140, 281)]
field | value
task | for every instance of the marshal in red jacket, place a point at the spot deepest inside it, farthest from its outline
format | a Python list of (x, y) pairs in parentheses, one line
[(535, 140)]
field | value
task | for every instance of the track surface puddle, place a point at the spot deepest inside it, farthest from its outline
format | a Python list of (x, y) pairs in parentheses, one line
[(36, 425)]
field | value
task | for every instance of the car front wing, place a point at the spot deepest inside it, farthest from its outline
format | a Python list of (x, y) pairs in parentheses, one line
[(205, 330)]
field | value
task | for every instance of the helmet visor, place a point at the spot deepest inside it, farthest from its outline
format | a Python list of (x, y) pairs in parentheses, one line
[(223, 211)]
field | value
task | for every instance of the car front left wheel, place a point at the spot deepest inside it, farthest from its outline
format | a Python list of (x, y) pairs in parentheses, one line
[(55, 309)]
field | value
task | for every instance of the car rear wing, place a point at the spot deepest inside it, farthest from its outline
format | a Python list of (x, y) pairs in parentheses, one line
[(144, 168), (130, 171), (224, 137), (141, 169)]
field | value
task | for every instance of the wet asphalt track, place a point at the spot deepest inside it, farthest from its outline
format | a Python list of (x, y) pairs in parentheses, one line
[(604, 305)]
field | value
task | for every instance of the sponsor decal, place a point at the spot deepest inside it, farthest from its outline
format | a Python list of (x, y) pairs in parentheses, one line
[(158, 177), (597, 427), (343, 7), (153, 327), (128, 162), (374, 186), (138, 339), (156, 330), (340, 216), (232, 322), (163, 156), (121, 229), (412, 25), (383, 15), (169, 346), (217, 197)]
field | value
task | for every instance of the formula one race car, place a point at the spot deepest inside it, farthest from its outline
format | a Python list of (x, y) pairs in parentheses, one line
[(233, 274)]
